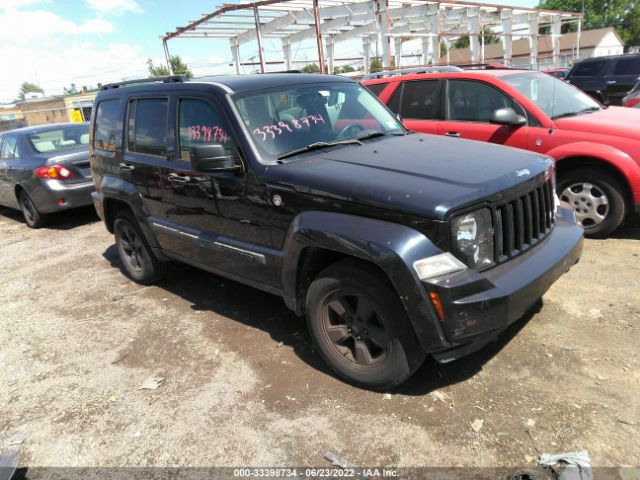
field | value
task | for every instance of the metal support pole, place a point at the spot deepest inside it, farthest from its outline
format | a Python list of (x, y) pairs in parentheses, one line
[(167, 57), (533, 40), (286, 50), (556, 32), (473, 27), (330, 55), (507, 29), (316, 16), (235, 53), (256, 17), (398, 51), (578, 39), (366, 50)]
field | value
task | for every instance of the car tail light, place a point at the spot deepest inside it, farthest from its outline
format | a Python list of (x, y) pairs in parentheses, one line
[(54, 171)]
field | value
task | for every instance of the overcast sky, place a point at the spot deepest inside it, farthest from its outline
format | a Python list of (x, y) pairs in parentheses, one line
[(55, 43)]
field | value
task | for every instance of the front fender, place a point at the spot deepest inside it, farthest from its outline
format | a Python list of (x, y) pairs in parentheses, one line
[(618, 159), (114, 188), (390, 246)]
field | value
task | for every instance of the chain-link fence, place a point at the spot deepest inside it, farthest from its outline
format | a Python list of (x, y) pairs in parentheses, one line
[(31, 114)]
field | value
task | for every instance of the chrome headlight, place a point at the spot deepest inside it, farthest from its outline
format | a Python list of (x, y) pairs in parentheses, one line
[(473, 238)]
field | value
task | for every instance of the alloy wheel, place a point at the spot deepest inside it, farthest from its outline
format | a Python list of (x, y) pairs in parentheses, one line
[(588, 201), (352, 324), (131, 247)]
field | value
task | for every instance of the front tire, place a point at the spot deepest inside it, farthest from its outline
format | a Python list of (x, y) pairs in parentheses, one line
[(360, 327), (32, 216), (597, 199), (137, 259)]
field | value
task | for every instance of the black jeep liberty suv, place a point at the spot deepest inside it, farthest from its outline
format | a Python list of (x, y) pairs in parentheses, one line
[(394, 245)]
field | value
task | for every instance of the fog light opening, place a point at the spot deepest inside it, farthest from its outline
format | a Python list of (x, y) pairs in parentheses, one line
[(437, 305)]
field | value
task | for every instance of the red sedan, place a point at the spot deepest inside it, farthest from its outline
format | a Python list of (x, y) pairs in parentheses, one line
[(597, 149)]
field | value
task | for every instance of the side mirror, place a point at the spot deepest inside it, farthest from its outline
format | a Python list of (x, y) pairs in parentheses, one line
[(507, 116), (212, 158)]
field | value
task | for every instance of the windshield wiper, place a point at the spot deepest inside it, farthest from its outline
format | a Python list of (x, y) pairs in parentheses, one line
[(573, 114), (318, 146)]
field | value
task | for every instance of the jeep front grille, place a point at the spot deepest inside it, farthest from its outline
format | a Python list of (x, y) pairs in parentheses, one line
[(522, 222)]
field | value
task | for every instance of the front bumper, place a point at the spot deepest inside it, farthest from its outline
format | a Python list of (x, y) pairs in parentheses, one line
[(54, 195), (478, 306)]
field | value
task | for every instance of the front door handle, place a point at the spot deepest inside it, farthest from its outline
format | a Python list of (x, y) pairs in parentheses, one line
[(452, 134), (126, 167), (611, 82), (174, 177)]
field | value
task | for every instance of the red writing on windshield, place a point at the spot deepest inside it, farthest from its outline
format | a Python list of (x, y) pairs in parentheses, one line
[(206, 133), (272, 131)]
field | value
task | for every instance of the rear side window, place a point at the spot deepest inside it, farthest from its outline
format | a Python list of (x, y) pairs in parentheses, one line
[(107, 126), (377, 88), (394, 102), (147, 126), (627, 66), (420, 99), (588, 69)]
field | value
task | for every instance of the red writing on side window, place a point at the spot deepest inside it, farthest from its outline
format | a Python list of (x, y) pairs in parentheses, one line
[(206, 133), (272, 131)]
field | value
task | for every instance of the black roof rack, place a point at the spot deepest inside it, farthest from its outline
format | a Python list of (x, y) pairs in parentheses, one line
[(407, 71), (142, 81), (486, 66)]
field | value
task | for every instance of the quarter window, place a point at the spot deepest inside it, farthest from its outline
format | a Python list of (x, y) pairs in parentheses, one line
[(420, 100), (10, 147), (199, 123), (475, 101), (377, 88), (107, 126), (147, 126)]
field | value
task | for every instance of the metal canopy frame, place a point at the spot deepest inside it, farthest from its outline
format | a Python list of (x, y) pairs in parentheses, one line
[(377, 23)]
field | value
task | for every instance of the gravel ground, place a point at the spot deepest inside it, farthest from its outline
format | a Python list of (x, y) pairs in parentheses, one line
[(241, 386)]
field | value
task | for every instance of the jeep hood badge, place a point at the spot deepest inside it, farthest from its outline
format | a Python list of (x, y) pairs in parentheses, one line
[(523, 173)]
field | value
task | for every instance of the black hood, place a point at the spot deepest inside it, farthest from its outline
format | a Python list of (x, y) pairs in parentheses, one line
[(420, 174)]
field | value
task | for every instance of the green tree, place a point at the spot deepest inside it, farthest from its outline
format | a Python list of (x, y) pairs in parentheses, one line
[(311, 68), (624, 15), (28, 87), (465, 41), (177, 65), (72, 90), (376, 64), (348, 69)]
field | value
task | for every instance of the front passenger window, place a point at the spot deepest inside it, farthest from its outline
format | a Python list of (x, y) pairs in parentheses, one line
[(471, 101), (199, 123)]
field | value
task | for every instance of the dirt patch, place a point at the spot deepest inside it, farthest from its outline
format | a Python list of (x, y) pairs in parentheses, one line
[(242, 385)]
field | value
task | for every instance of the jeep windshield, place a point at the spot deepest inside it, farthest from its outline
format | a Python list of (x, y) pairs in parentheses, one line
[(556, 97), (289, 121)]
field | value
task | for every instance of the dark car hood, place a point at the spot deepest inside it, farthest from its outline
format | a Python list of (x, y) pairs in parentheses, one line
[(615, 121), (422, 174)]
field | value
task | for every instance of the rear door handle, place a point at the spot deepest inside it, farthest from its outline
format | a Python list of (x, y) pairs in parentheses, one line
[(611, 82), (126, 167), (452, 134)]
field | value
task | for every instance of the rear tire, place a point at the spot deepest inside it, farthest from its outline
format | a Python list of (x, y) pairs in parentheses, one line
[(360, 327), (137, 259), (32, 216), (596, 197)]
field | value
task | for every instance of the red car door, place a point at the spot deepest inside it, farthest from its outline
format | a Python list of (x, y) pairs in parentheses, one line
[(418, 103), (469, 105)]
